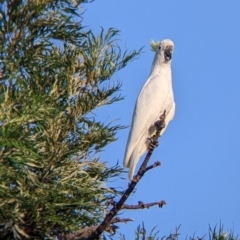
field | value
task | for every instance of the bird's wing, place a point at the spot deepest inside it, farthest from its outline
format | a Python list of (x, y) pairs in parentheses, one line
[(149, 103)]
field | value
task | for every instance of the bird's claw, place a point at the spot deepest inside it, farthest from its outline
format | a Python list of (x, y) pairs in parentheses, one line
[(160, 124), (153, 143)]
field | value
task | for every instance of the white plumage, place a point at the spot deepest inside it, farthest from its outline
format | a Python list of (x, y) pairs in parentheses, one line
[(155, 97)]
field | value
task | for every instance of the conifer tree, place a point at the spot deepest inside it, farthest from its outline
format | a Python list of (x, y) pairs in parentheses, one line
[(53, 74)]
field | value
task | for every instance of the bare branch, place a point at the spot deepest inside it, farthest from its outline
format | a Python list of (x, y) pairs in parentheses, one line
[(156, 164), (121, 220), (83, 234), (118, 206), (140, 205)]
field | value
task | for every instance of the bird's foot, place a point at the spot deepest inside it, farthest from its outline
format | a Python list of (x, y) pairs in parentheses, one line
[(160, 124), (153, 143)]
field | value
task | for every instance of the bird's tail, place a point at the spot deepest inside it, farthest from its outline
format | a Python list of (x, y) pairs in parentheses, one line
[(132, 163)]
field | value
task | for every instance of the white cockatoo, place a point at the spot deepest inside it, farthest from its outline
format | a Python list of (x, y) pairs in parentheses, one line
[(155, 97)]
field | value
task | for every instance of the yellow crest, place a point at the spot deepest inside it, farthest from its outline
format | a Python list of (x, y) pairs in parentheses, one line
[(154, 45)]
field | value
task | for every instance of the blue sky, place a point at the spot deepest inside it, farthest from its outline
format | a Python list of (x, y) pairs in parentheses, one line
[(200, 151)]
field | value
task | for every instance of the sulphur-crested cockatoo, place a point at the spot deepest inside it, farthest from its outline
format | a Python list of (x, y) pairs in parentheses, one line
[(155, 97)]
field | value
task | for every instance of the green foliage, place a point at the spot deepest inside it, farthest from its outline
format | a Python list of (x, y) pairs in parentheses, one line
[(53, 75), (217, 233)]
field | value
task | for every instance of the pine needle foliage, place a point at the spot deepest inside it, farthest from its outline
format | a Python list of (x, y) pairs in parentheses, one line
[(53, 74), (216, 233)]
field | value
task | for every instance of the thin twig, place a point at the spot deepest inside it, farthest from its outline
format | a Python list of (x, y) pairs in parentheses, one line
[(121, 220), (156, 164), (140, 205)]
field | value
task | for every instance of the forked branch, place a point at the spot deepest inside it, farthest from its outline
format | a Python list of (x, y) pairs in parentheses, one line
[(118, 206)]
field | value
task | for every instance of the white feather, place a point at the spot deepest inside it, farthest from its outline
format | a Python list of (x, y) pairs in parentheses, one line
[(155, 97)]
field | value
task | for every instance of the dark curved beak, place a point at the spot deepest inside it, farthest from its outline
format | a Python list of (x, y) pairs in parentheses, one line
[(168, 53)]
